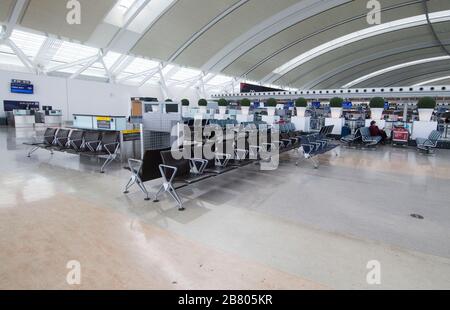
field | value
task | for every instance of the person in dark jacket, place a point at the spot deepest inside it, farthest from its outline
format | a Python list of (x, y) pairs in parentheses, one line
[(375, 131)]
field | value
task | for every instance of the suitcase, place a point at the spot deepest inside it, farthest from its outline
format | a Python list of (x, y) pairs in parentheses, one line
[(346, 131)]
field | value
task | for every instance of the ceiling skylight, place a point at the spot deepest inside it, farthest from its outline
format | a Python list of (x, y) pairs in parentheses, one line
[(393, 68), (110, 59), (220, 80), (71, 52), (29, 43), (149, 14), (186, 74), (139, 65)]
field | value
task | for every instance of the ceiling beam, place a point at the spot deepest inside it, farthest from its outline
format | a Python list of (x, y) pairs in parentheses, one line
[(85, 67), (23, 58), (71, 64), (15, 16), (139, 74)]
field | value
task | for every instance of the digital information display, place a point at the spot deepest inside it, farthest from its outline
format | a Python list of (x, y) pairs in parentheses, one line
[(22, 87)]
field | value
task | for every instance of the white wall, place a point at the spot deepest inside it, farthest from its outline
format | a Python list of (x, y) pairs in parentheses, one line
[(176, 93), (75, 96), (84, 97)]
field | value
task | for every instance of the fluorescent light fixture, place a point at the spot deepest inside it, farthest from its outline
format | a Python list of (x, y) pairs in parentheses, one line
[(433, 81), (393, 68), (404, 23)]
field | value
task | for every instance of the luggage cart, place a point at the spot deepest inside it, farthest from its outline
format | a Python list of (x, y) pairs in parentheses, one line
[(400, 136)]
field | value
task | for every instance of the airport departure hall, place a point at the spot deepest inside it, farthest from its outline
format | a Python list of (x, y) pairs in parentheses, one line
[(262, 145)]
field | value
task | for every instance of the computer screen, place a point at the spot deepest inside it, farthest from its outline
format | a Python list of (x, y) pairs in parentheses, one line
[(171, 108)]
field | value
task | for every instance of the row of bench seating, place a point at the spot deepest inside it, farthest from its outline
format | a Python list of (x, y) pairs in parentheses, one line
[(79, 142), (362, 137), (178, 173)]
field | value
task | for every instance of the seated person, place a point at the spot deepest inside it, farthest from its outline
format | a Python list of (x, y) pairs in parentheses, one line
[(375, 131)]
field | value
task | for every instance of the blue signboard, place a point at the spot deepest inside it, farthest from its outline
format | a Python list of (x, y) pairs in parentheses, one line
[(316, 104), (347, 105), (22, 87)]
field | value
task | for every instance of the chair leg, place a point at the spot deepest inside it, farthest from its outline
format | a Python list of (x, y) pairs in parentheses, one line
[(129, 184), (108, 161), (160, 191), (34, 149), (172, 192), (144, 189)]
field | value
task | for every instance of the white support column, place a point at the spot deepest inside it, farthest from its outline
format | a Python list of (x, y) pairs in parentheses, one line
[(15, 16), (72, 64), (150, 72), (121, 64), (23, 58), (85, 67), (108, 73), (162, 82)]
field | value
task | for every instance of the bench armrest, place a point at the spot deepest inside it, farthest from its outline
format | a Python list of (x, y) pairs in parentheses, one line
[(239, 152), (163, 174), (222, 159), (89, 145), (135, 165), (194, 165), (72, 143), (117, 144)]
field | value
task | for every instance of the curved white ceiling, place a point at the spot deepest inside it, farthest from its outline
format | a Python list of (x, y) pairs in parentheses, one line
[(433, 81), (393, 68), (404, 23)]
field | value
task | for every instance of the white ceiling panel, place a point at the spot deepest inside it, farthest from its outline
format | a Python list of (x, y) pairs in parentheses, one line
[(359, 50), (5, 9), (230, 27), (312, 33), (50, 16), (182, 21)]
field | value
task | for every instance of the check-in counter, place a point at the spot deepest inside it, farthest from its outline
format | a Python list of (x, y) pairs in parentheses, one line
[(49, 118), (21, 118)]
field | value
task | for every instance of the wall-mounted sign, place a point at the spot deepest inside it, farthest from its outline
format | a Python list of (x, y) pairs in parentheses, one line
[(10, 105), (250, 88), (104, 122), (22, 87)]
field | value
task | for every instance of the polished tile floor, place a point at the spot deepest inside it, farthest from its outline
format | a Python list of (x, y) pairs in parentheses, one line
[(293, 228)]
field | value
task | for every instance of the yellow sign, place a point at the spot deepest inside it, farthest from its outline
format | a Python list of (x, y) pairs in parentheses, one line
[(102, 118), (131, 131)]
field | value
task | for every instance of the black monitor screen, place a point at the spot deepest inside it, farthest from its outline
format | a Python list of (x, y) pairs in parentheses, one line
[(171, 108)]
